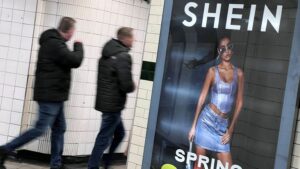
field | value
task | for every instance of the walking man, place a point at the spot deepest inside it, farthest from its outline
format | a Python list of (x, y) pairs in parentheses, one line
[(51, 89), (114, 82)]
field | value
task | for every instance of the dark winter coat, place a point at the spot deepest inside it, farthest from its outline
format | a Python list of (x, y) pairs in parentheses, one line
[(114, 77), (53, 71)]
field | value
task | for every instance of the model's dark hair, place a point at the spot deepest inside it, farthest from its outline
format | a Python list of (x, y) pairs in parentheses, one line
[(124, 32), (66, 23), (197, 62), (222, 38)]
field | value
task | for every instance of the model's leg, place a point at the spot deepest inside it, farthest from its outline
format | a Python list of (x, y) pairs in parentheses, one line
[(225, 158), (202, 152)]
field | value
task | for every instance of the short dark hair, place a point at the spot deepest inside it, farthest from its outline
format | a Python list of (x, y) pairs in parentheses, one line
[(66, 23), (124, 32)]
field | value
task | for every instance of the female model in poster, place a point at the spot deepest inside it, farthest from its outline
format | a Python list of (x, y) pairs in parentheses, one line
[(211, 127)]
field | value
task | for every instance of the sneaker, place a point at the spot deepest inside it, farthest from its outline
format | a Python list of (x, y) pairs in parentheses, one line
[(3, 156)]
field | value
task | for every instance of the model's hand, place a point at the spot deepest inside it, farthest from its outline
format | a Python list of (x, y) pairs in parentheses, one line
[(226, 137), (192, 133)]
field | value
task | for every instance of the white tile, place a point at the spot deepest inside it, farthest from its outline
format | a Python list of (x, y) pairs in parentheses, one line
[(3, 51), (5, 116), (92, 77), (50, 20), (16, 29), (134, 23), (8, 3), (4, 39), (3, 139), (19, 93), (50, 7), (21, 81), (29, 17), (6, 104), (1, 91), (35, 44), (26, 43), (8, 91), (19, 4), (16, 118), (18, 16), (4, 128), (14, 130), (13, 53), (31, 5), (27, 30), (81, 149), (5, 27), (10, 79), (11, 66), (15, 41), (24, 56), (18, 106), (2, 74), (23, 68)]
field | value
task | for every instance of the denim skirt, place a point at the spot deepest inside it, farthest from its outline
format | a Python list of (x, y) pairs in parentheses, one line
[(209, 131)]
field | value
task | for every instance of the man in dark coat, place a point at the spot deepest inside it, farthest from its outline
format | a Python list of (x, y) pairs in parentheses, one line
[(51, 89), (114, 82)]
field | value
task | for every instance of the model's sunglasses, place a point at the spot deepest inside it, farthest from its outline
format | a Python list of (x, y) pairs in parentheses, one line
[(226, 48)]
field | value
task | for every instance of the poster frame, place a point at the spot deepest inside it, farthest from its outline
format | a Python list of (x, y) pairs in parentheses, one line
[(290, 105)]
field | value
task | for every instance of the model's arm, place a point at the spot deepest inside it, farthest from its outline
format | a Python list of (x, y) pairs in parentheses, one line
[(208, 81), (238, 107)]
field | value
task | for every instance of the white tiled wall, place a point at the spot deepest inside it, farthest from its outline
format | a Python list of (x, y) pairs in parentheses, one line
[(136, 150), (97, 22), (16, 31), (296, 153)]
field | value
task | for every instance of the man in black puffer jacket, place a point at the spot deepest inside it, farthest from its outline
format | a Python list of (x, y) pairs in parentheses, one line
[(114, 82), (52, 85)]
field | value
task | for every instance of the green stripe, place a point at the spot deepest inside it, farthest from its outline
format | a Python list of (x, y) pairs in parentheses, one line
[(148, 70)]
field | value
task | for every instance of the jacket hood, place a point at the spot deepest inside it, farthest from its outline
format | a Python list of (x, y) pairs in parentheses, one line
[(50, 34), (113, 47)]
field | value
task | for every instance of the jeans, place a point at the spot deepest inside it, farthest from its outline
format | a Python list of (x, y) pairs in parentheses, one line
[(111, 131), (50, 114)]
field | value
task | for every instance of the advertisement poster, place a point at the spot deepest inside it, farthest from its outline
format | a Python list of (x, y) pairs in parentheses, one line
[(227, 61)]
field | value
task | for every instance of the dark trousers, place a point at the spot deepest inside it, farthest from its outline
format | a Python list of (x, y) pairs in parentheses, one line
[(111, 131), (50, 114)]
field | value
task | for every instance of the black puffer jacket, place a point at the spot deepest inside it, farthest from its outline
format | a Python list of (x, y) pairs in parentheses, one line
[(53, 71), (114, 77)]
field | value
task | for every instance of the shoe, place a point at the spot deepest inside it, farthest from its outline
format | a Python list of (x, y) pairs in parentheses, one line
[(3, 156)]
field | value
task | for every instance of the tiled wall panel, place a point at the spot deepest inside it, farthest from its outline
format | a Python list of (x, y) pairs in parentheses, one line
[(16, 32), (295, 164), (137, 143), (97, 22)]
